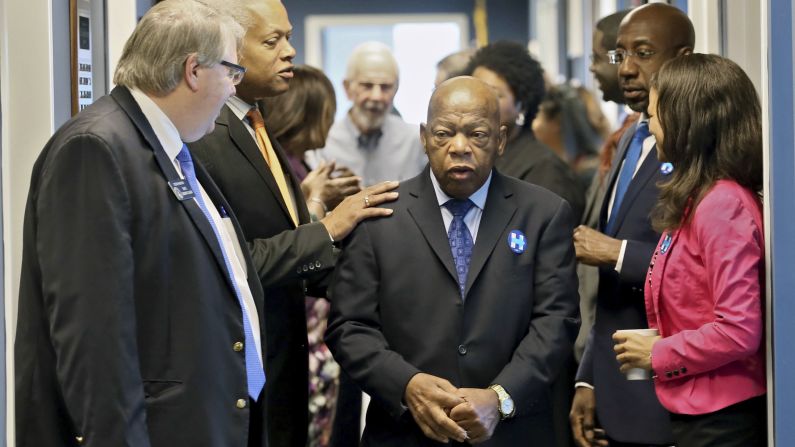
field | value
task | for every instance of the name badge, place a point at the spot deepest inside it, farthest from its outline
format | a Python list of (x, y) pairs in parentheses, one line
[(182, 190), (666, 244)]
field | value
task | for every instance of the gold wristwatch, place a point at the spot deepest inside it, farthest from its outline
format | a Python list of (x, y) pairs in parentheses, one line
[(505, 406)]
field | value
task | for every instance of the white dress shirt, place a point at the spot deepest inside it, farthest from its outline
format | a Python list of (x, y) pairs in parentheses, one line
[(473, 216), (169, 138), (648, 144)]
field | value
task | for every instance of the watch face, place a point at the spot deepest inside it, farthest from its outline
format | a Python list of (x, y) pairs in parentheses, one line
[(507, 406)]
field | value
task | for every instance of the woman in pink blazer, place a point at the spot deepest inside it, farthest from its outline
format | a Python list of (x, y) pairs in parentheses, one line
[(704, 292)]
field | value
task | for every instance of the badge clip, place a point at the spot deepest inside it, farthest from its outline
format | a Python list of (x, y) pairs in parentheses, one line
[(182, 190)]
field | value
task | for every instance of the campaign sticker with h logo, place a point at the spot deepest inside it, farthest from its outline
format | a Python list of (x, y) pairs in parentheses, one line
[(516, 241)]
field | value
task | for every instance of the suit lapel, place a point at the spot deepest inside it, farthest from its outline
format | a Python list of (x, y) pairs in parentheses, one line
[(497, 212), (128, 104), (428, 217), (292, 181), (240, 135), (648, 170), (618, 158)]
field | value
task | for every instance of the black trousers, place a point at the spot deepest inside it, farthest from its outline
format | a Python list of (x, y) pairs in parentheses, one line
[(347, 416), (743, 424), (614, 443), (256, 435)]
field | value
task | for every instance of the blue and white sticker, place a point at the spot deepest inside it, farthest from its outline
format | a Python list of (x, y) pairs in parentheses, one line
[(666, 244), (517, 241), (666, 168)]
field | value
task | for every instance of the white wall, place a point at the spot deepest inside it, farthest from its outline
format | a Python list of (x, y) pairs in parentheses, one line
[(27, 105)]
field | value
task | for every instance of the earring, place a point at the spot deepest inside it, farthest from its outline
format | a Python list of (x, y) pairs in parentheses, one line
[(520, 119)]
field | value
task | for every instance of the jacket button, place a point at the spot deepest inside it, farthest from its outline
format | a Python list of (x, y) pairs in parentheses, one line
[(311, 266), (79, 439), (676, 372), (241, 403), (683, 370), (298, 270), (318, 264), (669, 374), (462, 349), (238, 346), (306, 268)]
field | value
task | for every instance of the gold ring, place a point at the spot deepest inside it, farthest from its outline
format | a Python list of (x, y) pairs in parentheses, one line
[(367, 201)]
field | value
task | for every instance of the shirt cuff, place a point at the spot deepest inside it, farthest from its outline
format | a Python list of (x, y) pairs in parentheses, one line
[(583, 385), (620, 261)]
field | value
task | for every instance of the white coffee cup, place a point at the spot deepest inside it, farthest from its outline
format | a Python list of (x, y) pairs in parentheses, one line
[(638, 373)]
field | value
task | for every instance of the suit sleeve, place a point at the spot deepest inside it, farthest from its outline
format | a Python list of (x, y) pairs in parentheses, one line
[(732, 246), (354, 330), (86, 259), (635, 265), (305, 253), (554, 324), (585, 370)]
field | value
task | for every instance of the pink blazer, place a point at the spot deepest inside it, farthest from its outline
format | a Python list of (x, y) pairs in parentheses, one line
[(704, 294)]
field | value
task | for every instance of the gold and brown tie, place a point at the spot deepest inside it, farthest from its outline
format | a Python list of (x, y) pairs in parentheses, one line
[(266, 148)]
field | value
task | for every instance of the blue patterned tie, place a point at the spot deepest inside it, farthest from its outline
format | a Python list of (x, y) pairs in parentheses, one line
[(255, 373), (460, 239), (628, 170)]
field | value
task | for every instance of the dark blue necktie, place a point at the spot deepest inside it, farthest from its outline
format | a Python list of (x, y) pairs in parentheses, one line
[(628, 170), (460, 239), (255, 373)]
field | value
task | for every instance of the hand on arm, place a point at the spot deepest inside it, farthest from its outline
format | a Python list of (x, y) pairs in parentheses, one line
[(634, 350), (430, 399), (478, 414), (595, 248), (355, 209)]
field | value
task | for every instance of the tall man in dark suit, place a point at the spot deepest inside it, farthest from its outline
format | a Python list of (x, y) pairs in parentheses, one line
[(139, 315), (462, 306), (291, 255), (628, 411)]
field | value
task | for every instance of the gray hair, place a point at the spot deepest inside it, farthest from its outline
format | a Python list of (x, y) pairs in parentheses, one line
[(153, 58), (362, 55)]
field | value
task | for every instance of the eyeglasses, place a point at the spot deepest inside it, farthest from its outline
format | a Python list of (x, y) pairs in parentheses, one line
[(617, 57), (236, 72)]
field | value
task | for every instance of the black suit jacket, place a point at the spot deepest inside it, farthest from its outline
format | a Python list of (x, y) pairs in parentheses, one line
[(396, 309), (127, 315), (532, 161), (288, 260), (628, 410)]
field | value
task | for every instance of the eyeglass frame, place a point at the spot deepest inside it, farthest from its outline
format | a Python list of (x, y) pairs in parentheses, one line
[(618, 56), (236, 72)]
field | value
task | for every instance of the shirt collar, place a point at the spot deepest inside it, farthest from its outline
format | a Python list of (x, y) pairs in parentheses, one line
[(239, 107), (165, 130), (478, 197), (366, 141)]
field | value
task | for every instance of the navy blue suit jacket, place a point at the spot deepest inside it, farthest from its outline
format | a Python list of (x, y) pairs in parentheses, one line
[(628, 410)]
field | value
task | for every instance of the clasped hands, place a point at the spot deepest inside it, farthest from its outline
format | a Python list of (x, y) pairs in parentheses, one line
[(444, 412)]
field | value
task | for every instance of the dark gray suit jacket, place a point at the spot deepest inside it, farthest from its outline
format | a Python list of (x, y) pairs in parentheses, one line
[(127, 315), (289, 260), (396, 308), (628, 410)]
